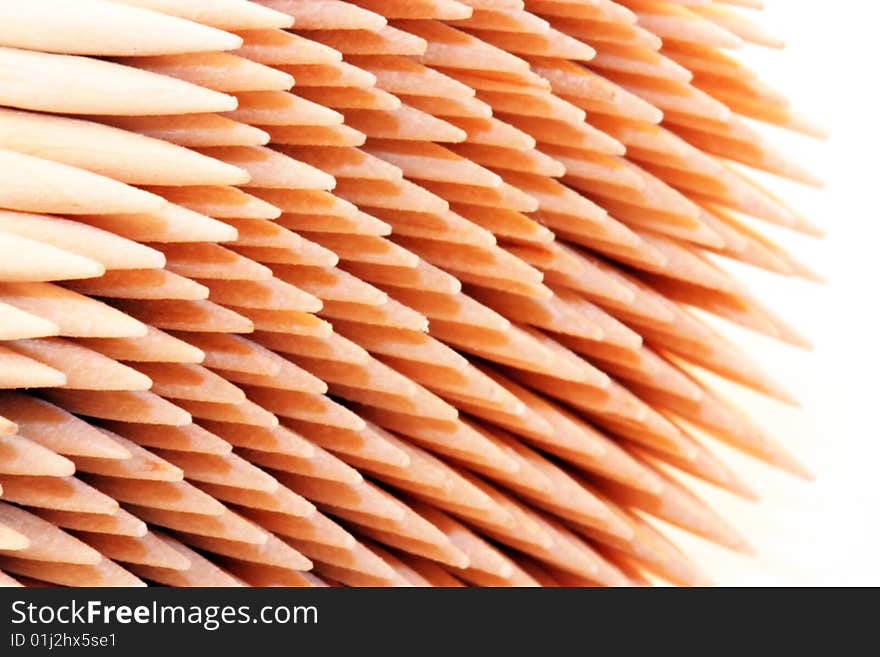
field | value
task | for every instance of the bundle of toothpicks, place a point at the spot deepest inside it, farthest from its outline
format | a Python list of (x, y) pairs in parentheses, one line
[(380, 292)]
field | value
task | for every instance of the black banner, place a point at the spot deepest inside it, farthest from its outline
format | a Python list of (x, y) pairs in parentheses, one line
[(279, 621)]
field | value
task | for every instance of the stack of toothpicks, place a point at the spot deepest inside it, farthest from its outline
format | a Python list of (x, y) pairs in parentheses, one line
[(379, 292)]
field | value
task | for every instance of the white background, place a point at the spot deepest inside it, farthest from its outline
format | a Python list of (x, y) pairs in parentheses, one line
[(826, 532)]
